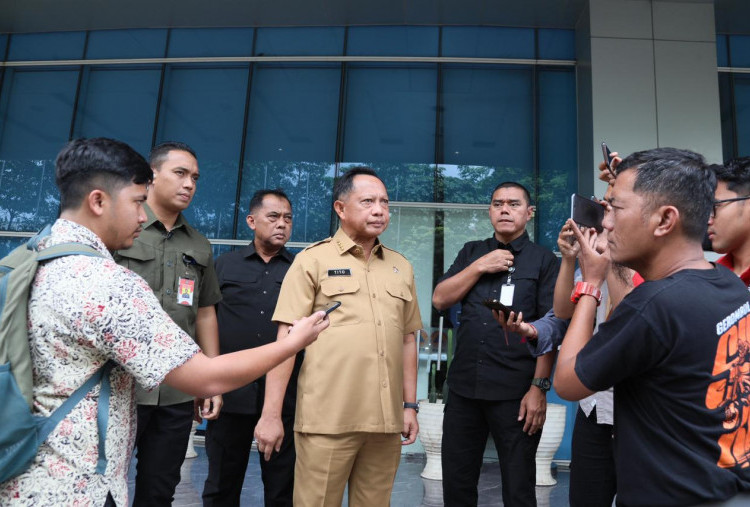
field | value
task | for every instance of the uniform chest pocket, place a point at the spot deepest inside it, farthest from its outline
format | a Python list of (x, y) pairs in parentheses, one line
[(346, 290), (394, 306), (141, 259), (239, 288)]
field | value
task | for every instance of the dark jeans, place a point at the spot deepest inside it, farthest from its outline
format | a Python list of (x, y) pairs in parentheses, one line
[(466, 426), (228, 441), (592, 465), (161, 441)]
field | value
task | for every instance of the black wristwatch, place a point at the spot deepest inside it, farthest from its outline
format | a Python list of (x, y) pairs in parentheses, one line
[(542, 383), (415, 406)]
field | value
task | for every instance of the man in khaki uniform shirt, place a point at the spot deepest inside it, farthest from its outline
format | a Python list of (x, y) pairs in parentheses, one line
[(176, 261), (357, 386)]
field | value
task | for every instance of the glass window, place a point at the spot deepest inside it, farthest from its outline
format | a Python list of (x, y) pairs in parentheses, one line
[(145, 43), (119, 103), (556, 44), (727, 115), (488, 42), (739, 50), (487, 130), (742, 113), (36, 110), (46, 46), (302, 41), (3, 45), (390, 126), (722, 52), (198, 42), (7, 244), (291, 143), (205, 107), (557, 152), (393, 41)]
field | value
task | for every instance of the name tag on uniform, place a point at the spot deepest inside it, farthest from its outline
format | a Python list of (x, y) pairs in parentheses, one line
[(340, 272), (185, 292)]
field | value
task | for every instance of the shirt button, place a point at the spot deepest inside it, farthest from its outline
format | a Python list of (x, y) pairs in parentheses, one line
[(264, 292), (480, 361), (378, 323), (169, 292), (481, 341), (262, 312), (382, 353), (385, 384), (266, 272), (373, 295), (169, 264)]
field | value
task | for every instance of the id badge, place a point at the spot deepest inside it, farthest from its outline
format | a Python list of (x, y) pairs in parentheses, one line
[(506, 294), (185, 291)]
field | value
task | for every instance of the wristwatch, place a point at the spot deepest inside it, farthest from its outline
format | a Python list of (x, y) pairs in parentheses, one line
[(542, 383), (415, 406), (586, 289)]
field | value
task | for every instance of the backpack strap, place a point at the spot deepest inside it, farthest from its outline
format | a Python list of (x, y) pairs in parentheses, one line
[(102, 416), (64, 249)]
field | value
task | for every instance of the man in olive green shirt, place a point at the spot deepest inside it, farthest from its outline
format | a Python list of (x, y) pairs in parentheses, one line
[(176, 261)]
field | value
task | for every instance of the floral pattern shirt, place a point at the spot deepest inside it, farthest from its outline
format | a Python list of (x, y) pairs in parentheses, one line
[(84, 311)]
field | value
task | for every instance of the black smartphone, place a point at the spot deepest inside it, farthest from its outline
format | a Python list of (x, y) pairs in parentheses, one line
[(332, 306), (586, 212), (607, 158), (494, 304)]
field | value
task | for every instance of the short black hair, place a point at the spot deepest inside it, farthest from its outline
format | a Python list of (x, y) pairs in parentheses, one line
[(513, 184), (345, 182), (678, 178), (160, 152), (736, 174), (98, 163), (256, 201)]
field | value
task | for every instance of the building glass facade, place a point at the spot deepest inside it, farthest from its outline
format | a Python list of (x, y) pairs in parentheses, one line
[(442, 113)]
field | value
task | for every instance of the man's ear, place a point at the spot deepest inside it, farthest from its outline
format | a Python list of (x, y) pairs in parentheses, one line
[(250, 221), (96, 201), (338, 207), (667, 218)]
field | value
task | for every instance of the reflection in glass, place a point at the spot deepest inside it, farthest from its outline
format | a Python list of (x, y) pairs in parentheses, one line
[(291, 142), (204, 106)]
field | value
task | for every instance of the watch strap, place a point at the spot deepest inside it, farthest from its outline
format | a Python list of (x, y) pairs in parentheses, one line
[(415, 406), (586, 289)]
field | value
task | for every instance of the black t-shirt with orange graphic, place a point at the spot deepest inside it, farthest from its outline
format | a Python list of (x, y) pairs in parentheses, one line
[(677, 351)]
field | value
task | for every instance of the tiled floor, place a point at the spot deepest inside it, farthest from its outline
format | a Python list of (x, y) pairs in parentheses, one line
[(410, 490)]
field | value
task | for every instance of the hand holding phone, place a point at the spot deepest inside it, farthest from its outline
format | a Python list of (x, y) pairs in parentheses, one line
[(494, 304), (607, 154)]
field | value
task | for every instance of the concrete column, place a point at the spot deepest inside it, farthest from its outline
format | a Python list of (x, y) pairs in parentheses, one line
[(646, 78)]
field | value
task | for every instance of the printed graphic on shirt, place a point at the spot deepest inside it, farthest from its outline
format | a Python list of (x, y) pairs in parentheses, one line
[(185, 292), (730, 390)]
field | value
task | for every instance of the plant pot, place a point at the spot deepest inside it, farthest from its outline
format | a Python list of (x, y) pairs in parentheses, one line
[(552, 433), (430, 420)]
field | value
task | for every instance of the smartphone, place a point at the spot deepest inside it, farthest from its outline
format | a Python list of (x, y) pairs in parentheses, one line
[(586, 212), (332, 306), (608, 159), (494, 304)]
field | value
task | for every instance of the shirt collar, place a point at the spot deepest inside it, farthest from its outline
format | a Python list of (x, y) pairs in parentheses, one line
[(152, 219), (343, 243), (514, 246), (728, 262), (250, 250), (66, 231)]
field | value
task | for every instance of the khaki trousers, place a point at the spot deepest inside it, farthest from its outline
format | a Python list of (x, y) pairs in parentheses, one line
[(325, 463)]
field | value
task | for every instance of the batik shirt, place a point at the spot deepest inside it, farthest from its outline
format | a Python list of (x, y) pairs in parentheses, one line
[(84, 311)]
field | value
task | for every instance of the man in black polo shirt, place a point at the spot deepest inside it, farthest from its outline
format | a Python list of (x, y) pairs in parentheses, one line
[(250, 280), (495, 385)]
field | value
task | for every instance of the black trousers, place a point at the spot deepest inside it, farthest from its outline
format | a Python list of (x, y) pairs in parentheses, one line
[(161, 441), (228, 442), (466, 426), (592, 466)]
